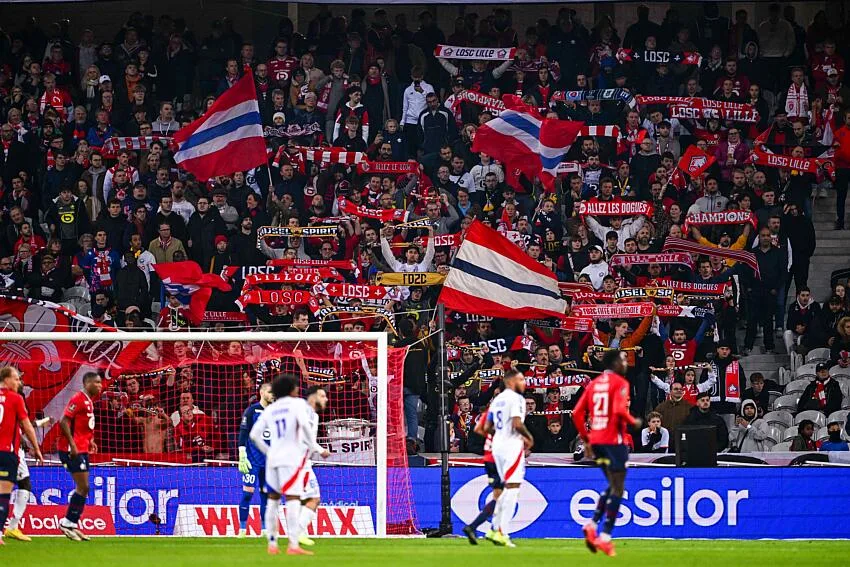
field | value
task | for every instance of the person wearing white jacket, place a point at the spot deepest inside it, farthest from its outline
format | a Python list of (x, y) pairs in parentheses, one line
[(413, 103), (625, 229), (411, 254)]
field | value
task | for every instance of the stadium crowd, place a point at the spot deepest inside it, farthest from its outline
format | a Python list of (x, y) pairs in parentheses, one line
[(92, 200)]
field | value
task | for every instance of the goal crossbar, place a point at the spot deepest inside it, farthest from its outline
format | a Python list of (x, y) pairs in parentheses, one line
[(380, 339)]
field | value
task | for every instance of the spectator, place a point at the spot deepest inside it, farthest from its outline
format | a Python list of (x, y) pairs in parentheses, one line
[(804, 441), (823, 394), (835, 442), (674, 411), (654, 438), (557, 441), (750, 431), (758, 393), (702, 414)]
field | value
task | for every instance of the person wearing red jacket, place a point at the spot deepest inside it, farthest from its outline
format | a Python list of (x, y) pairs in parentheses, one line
[(194, 434), (601, 417)]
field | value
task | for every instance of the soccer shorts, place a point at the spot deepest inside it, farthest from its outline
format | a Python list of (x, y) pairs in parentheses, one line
[(288, 480), (23, 469), (510, 467), (611, 457), (309, 483), (493, 476), (257, 477), (75, 465), (8, 466)]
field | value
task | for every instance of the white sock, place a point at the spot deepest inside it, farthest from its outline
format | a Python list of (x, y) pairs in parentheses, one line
[(508, 500), (304, 520), (293, 515), (22, 498), (497, 514), (271, 521)]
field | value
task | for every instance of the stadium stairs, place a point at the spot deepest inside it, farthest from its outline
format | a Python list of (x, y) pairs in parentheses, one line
[(832, 253)]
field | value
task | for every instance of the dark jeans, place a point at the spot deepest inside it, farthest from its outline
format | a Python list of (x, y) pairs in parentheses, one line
[(800, 271), (760, 311), (842, 179)]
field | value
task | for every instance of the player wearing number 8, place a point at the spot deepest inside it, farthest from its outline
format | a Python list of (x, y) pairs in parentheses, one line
[(510, 440), (606, 403), (77, 441), (13, 419)]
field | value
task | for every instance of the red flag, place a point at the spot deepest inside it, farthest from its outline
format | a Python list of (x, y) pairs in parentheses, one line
[(695, 162), (187, 279)]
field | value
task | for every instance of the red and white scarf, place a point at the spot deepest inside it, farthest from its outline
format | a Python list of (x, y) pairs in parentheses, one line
[(681, 245), (385, 167), (325, 93), (482, 53), (383, 215), (693, 288), (622, 260), (489, 103), (615, 208), (112, 145), (273, 297), (797, 101), (613, 311)]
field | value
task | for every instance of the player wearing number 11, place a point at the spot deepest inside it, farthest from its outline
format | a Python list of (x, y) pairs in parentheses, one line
[(287, 421), (606, 403)]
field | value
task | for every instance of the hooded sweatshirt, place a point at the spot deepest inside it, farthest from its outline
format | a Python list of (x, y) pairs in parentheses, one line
[(749, 438)]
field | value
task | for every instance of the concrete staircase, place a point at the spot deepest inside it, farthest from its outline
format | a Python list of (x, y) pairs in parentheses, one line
[(832, 253)]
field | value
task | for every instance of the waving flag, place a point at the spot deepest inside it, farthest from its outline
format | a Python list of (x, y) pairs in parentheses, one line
[(227, 138), (53, 370), (491, 276), (190, 284), (523, 141), (695, 162)]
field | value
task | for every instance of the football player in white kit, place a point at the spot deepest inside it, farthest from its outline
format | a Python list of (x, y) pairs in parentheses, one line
[(511, 439), (288, 423), (317, 400)]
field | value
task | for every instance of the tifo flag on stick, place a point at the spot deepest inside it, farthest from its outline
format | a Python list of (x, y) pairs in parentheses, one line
[(695, 162), (186, 279), (485, 53), (492, 276), (228, 138), (535, 146)]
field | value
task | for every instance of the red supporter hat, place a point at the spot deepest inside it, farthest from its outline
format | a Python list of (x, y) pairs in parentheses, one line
[(220, 238)]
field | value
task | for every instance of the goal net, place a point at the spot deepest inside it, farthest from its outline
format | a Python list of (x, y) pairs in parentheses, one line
[(167, 424)]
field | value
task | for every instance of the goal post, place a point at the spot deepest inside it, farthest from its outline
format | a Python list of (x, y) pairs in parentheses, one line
[(209, 377)]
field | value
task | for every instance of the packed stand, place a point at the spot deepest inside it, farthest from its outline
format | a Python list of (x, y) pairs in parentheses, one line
[(697, 210)]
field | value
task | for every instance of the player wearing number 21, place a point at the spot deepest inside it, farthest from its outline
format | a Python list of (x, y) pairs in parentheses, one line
[(13, 420), (511, 439), (75, 445), (605, 404), (288, 422)]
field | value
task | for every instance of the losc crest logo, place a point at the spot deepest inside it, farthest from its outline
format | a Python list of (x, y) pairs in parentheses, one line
[(470, 498), (696, 163)]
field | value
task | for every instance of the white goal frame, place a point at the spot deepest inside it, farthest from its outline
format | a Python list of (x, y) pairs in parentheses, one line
[(380, 339)]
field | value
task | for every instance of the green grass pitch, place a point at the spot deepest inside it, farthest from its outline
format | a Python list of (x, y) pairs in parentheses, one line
[(179, 552)]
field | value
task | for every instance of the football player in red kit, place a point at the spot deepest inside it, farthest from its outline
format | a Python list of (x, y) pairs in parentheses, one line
[(77, 441), (606, 403), (13, 420)]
